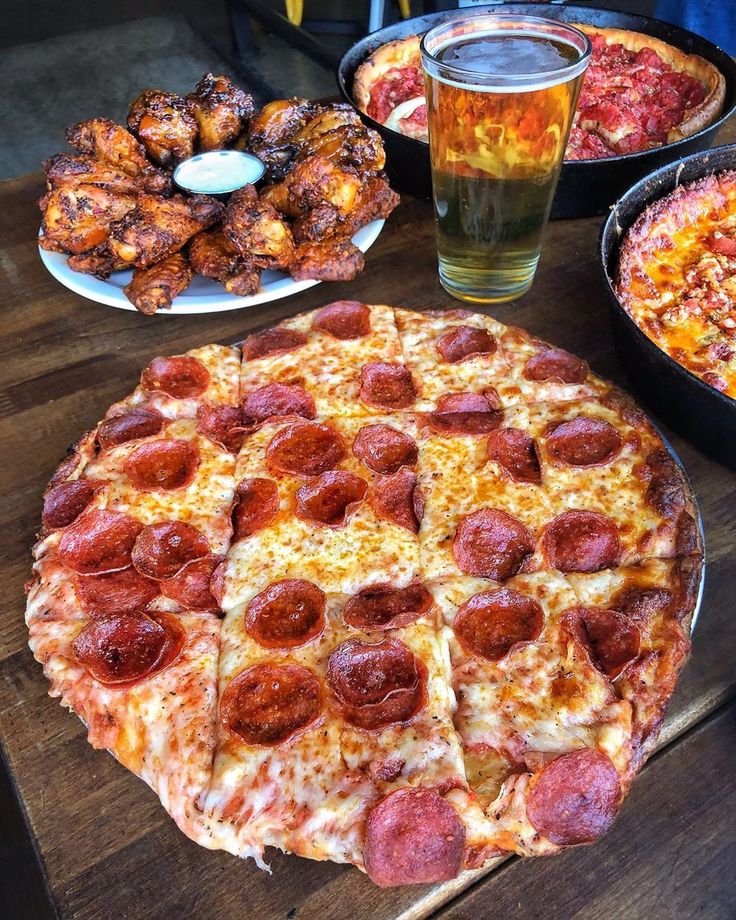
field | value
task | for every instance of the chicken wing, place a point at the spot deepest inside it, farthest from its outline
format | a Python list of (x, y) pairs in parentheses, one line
[(376, 201), (213, 255), (313, 182), (331, 260), (65, 169), (102, 138), (154, 288), (222, 110), (270, 132), (348, 145), (98, 261), (260, 236), (158, 227), (78, 218), (164, 124)]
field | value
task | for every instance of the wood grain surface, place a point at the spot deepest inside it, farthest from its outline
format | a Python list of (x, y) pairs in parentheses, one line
[(107, 847)]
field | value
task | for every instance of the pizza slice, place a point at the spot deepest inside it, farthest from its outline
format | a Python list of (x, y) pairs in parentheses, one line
[(139, 669), (634, 624), (345, 359), (178, 386), (460, 359), (389, 87), (335, 735), (317, 497), (546, 738)]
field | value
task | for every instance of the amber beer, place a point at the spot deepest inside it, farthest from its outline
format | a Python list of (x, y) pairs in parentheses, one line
[(501, 94)]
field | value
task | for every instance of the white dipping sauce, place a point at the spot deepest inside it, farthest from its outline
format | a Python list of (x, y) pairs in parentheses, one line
[(218, 172)]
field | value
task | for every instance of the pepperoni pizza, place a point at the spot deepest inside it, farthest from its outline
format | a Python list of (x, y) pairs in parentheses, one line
[(638, 93), (402, 590)]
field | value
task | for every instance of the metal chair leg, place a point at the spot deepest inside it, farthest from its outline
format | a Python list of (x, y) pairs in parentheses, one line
[(377, 12)]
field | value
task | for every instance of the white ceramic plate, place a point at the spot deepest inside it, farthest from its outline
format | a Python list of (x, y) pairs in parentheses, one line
[(202, 296)]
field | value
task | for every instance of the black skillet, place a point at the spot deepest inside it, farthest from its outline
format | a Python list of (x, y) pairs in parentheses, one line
[(700, 413), (585, 187)]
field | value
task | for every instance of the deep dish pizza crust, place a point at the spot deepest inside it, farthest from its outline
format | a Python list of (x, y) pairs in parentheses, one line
[(419, 739), (706, 73), (403, 52)]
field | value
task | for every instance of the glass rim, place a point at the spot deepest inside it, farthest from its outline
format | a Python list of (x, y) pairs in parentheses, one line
[(558, 75)]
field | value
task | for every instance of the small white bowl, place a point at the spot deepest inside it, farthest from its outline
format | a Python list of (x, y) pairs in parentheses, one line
[(218, 172)]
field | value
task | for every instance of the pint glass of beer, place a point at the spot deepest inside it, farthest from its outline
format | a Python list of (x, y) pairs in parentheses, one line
[(501, 94)]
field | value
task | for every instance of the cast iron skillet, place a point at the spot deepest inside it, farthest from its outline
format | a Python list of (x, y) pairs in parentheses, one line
[(585, 187), (699, 412)]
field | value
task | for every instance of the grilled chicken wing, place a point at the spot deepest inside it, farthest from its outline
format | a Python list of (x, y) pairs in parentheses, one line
[(314, 182), (78, 218), (260, 236), (107, 141), (348, 145), (270, 132), (98, 261), (332, 260), (65, 169), (213, 255), (158, 227), (154, 288), (164, 124), (222, 110)]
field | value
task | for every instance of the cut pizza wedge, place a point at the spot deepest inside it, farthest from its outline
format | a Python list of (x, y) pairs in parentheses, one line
[(335, 735), (537, 718), (177, 386), (345, 358), (316, 497), (142, 679)]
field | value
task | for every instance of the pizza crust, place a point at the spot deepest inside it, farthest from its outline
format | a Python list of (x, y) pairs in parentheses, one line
[(401, 53), (706, 73)]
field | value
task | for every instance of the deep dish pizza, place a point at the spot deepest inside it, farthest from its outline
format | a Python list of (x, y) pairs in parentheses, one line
[(402, 590), (676, 277), (638, 93)]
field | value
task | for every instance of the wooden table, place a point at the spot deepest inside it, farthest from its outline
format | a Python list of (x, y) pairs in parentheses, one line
[(109, 850)]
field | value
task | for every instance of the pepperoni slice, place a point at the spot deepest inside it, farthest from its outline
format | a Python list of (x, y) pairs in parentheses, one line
[(63, 504), (490, 624), (516, 453), (305, 449), (467, 413), (463, 342), (269, 703), (272, 342), (723, 245), (99, 542), (641, 604), (162, 550), (190, 587), (491, 544), (138, 423), (123, 649), (115, 592), (412, 836), (277, 399), (223, 425), (330, 497), (397, 499), (181, 376), (611, 640), (575, 798), (344, 319), (383, 449), (287, 614), (376, 683), (384, 607), (163, 465), (389, 386), (257, 504), (582, 541), (584, 441), (556, 364)]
